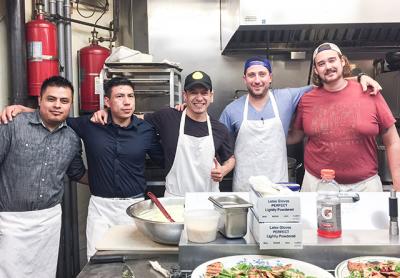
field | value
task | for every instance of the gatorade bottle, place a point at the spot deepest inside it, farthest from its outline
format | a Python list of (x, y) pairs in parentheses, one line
[(328, 206)]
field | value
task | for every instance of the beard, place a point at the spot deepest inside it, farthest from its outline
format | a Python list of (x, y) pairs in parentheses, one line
[(257, 95), (327, 80)]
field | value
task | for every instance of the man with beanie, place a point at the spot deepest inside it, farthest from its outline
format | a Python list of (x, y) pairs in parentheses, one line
[(342, 123), (260, 122)]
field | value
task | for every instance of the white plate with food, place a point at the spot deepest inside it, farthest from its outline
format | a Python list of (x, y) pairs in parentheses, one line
[(247, 265), (369, 266)]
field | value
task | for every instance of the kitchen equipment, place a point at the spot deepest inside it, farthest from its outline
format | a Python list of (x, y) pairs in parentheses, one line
[(293, 166), (157, 267), (383, 166), (128, 238), (160, 206), (393, 214), (97, 259), (393, 60), (91, 60), (292, 186), (156, 84), (201, 225), (349, 197), (365, 223), (127, 272), (162, 232), (233, 215), (259, 26), (390, 82)]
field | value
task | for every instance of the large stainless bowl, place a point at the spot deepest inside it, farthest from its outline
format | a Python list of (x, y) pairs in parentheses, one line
[(162, 232)]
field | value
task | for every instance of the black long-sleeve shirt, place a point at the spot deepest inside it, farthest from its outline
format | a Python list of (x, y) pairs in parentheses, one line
[(167, 121), (116, 155)]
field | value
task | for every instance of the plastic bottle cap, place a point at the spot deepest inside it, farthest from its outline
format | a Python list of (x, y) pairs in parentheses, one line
[(327, 173)]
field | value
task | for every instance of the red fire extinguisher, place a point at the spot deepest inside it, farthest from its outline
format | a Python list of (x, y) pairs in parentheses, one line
[(41, 39), (91, 61)]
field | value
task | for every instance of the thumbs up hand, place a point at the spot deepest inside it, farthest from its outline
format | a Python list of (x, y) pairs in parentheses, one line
[(217, 171)]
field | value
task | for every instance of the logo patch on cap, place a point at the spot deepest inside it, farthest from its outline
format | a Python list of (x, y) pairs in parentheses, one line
[(197, 75)]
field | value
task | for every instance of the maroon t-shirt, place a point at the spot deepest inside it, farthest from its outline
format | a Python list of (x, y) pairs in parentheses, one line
[(341, 128)]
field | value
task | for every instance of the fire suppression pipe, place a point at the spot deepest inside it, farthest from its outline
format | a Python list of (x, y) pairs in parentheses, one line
[(60, 36), (17, 50)]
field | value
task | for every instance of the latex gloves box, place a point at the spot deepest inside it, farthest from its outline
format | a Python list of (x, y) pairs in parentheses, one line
[(276, 208), (278, 235)]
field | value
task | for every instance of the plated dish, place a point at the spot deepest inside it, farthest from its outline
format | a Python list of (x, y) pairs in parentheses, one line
[(247, 265), (369, 266)]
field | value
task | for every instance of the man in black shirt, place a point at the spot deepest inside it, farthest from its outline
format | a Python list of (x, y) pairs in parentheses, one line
[(198, 150), (191, 140)]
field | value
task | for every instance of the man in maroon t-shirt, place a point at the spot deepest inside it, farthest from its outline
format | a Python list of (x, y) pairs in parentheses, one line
[(341, 124)]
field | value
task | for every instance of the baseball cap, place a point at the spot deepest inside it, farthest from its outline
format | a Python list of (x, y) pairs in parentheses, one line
[(257, 61), (198, 78), (326, 46)]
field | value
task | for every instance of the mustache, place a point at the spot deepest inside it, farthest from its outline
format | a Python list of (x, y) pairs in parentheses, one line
[(329, 71)]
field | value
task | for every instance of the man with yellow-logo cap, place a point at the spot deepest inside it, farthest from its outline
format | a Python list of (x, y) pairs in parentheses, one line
[(198, 150)]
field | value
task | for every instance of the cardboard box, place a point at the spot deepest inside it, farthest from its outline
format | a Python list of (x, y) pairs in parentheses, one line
[(276, 208), (279, 235)]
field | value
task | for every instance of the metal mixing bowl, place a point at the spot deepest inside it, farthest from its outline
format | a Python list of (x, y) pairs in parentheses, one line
[(162, 232)]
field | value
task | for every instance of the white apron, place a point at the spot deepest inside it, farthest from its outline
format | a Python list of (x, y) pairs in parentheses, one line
[(194, 159), (29, 243), (260, 149), (103, 213)]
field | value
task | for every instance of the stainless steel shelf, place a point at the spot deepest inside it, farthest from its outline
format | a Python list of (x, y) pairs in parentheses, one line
[(150, 79)]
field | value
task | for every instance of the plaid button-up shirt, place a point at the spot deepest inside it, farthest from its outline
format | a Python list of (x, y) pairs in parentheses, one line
[(33, 162)]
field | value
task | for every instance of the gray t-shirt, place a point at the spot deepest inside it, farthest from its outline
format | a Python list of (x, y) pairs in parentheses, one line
[(286, 100)]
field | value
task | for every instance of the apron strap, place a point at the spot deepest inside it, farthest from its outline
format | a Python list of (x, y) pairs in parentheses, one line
[(183, 120), (274, 106), (273, 103), (182, 124), (246, 108)]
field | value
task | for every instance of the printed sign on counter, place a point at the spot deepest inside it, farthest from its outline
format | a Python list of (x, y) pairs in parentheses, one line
[(276, 208), (277, 235)]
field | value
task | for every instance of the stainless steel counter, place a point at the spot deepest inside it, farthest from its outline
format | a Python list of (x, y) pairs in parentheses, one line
[(138, 263), (365, 233), (323, 252)]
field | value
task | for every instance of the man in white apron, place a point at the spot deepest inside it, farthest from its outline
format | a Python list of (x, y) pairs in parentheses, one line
[(194, 161), (192, 141), (260, 147), (36, 150), (117, 152), (260, 120)]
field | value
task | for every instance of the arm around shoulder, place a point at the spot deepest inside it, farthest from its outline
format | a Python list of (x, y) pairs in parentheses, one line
[(9, 112), (84, 179)]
